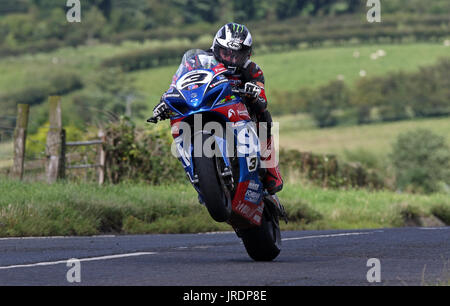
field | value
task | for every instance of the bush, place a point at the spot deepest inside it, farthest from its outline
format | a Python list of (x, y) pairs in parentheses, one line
[(411, 215), (291, 102), (431, 90), (141, 155), (326, 100), (400, 95), (327, 171), (367, 158), (391, 95), (421, 160), (442, 212), (36, 143), (59, 84), (64, 83)]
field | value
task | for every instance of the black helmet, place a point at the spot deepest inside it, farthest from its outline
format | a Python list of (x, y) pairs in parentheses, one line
[(232, 45)]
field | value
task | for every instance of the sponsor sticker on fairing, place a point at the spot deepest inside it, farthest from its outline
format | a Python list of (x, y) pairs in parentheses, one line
[(243, 209), (243, 113), (219, 69), (253, 186), (173, 95), (257, 218), (212, 85), (252, 196)]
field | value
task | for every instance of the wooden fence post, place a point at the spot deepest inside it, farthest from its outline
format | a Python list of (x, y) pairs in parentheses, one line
[(54, 143), (20, 137), (62, 157), (102, 158)]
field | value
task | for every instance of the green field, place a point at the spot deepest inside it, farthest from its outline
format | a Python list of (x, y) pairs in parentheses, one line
[(21, 71), (312, 67), (286, 71), (376, 138), (38, 209)]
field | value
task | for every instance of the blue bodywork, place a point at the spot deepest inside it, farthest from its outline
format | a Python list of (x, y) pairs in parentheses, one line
[(203, 89)]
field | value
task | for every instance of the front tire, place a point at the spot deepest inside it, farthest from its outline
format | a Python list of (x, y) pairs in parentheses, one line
[(209, 184)]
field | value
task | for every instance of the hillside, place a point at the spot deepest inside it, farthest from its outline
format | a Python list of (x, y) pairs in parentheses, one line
[(293, 70)]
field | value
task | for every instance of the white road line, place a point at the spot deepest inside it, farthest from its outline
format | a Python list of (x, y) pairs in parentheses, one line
[(216, 233), (330, 235), (49, 263), (434, 228), (58, 237)]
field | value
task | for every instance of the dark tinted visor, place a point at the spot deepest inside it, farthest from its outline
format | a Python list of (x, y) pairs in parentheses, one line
[(233, 57)]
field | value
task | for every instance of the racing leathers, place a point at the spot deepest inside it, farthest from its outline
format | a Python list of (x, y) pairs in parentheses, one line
[(251, 78)]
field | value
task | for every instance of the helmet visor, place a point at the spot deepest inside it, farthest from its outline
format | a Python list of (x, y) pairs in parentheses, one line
[(233, 57)]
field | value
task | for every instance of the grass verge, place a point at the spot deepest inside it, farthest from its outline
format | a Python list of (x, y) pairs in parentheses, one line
[(38, 209)]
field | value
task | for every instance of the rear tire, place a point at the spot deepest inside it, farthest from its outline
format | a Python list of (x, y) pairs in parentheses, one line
[(217, 203), (263, 243)]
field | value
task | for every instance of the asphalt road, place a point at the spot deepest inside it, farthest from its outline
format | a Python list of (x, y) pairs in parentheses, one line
[(407, 256)]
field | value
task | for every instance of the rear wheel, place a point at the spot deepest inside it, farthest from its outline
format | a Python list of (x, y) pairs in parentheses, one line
[(263, 243), (210, 186)]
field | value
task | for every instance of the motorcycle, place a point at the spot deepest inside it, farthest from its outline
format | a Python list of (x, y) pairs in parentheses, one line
[(225, 170)]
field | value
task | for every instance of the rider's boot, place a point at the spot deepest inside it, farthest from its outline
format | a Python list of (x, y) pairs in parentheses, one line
[(272, 180)]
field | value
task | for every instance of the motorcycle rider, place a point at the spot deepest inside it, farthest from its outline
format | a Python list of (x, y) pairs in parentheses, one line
[(232, 46)]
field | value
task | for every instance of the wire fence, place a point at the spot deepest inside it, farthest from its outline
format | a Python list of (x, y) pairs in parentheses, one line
[(35, 158), (82, 159), (7, 126)]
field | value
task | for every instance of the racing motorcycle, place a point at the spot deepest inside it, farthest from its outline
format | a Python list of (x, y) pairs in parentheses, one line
[(224, 168)]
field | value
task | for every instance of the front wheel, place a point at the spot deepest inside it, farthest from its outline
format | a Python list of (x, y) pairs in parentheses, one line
[(263, 243), (210, 186)]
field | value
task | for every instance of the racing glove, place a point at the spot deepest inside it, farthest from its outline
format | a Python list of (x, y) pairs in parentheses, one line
[(256, 97), (161, 111), (252, 90)]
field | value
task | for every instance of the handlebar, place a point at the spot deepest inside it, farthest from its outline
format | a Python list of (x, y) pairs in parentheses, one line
[(152, 120), (238, 91)]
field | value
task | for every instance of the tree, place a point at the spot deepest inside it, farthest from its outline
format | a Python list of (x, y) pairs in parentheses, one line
[(93, 23), (289, 8), (421, 160), (328, 99), (430, 90), (13, 6)]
